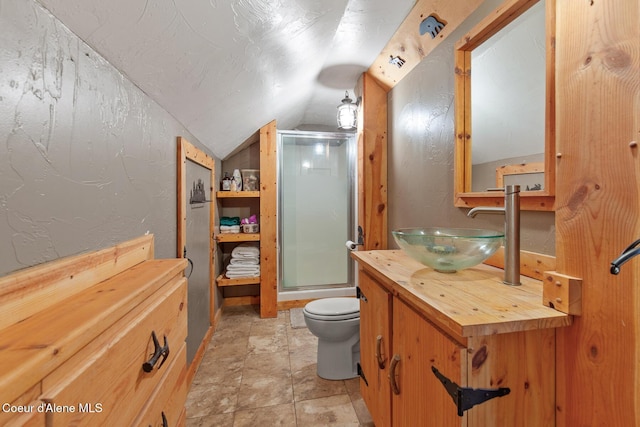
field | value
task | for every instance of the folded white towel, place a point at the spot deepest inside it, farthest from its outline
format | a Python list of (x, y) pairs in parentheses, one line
[(229, 229), (240, 267), (246, 250), (241, 274), (244, 261)]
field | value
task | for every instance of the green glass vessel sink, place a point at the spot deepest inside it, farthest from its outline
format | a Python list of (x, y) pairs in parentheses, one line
[(448, 249)]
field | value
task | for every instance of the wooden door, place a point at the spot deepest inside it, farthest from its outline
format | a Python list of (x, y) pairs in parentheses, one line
[(420, 398), (375, 348)]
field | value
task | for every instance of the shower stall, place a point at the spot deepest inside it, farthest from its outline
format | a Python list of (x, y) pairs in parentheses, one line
[(316, 211)]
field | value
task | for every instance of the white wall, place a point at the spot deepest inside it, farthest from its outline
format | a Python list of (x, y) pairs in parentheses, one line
[(87, 160)]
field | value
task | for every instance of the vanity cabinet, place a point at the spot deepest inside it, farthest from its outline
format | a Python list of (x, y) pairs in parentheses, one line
[(397, 383), (426, 337)]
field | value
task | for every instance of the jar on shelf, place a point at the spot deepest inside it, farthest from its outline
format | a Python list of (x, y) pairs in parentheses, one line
[(225, 184), (250, 179)]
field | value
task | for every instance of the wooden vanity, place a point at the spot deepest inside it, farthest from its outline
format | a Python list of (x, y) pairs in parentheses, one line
[(426, 337)]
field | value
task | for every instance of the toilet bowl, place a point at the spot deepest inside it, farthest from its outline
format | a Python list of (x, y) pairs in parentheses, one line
[(336, 323)]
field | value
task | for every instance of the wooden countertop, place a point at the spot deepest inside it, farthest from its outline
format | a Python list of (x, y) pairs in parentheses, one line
[(471, 302)]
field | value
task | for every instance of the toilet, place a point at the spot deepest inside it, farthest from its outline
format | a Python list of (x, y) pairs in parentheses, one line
[(336, 323)]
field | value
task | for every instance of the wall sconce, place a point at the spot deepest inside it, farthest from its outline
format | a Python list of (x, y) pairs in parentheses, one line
[(347, 113)]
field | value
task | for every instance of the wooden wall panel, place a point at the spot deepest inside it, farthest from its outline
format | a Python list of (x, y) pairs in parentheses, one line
[(372, 163), (268, 221), (598, 209), (409, 46)]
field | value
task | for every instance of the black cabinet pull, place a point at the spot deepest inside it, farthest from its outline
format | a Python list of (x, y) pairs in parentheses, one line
[(159, 351)]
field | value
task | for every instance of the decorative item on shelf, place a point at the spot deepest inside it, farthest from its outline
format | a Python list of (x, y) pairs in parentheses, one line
[(236, 180), (249, 225), (225, 184), (250, 179), (347, 113)]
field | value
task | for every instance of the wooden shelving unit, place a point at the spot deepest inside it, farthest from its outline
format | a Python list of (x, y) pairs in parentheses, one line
[(262, 203), (224, 281), (237, 237), (221, 280), (236, 194)]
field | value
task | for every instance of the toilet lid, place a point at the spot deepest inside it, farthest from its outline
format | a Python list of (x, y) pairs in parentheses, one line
[(333, 306)]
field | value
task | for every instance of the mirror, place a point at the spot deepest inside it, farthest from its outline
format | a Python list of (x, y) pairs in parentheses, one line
[(505, 112)]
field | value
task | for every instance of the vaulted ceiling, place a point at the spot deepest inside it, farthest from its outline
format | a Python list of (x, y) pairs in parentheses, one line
[(224, 68)]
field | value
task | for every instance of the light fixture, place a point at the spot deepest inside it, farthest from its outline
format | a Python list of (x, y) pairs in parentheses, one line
[(347, 113)]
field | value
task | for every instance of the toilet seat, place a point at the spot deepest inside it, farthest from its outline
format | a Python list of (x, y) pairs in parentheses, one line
[(333, 309)]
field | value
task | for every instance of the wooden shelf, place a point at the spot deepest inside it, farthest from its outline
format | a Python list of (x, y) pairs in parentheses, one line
[(236, 194), (241, 281), (238, 237)]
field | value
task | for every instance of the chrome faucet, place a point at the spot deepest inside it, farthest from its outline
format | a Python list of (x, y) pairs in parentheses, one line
[(511, 211)]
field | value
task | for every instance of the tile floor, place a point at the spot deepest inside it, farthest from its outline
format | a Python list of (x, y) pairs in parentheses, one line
[(262, 372)]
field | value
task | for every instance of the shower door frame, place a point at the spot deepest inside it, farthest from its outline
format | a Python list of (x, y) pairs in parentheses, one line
[(351, 206)]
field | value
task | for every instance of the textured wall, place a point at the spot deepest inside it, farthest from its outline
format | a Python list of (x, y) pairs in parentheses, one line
[(421, 148), (86, 159)]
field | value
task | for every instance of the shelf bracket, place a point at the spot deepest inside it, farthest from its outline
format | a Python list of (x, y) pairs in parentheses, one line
[(467, 398)]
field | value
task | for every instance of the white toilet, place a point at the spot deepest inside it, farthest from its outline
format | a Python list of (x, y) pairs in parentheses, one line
[(336, 323)]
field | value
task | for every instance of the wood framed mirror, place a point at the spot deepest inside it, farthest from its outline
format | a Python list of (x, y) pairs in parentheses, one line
[(505, 108)]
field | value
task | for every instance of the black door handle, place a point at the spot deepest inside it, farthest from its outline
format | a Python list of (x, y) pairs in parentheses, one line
[(626, 255)]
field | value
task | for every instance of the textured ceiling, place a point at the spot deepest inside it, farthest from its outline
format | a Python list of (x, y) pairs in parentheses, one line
[(224, 68)]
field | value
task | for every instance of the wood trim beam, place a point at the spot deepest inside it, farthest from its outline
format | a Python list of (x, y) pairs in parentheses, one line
[(372, 163), (409, 46), (268, 221)]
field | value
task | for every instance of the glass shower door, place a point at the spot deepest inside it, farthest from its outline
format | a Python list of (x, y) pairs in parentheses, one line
[(316, 205)]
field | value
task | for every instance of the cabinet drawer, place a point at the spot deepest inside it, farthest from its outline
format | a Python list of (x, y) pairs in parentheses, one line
[(104, 383), (167, 401)]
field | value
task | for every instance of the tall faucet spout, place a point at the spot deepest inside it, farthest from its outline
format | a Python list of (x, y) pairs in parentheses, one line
[(511, 211), (489, 210)]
